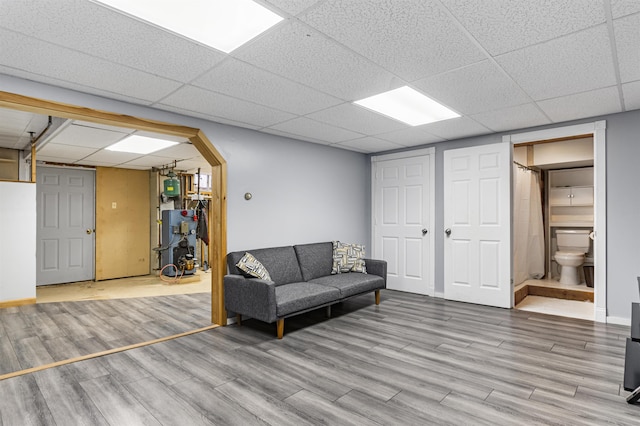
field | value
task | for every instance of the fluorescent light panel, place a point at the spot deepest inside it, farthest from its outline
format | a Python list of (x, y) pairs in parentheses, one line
[(408, 105), (222, 24), (140, 145)]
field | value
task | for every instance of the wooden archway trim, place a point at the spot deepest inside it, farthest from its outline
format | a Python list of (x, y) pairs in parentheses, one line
[(218, 213)]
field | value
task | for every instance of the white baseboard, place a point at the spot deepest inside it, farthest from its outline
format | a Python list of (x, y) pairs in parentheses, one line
[(600, 315), (619, 321), (439, 294)]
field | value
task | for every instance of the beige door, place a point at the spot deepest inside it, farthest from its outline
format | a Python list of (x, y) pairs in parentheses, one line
[(123, 229)]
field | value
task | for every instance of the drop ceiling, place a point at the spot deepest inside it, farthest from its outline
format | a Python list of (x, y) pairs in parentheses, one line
[(503, 65)]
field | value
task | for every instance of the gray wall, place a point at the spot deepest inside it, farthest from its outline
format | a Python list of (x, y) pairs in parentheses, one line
[(302, 192), (623, 206)]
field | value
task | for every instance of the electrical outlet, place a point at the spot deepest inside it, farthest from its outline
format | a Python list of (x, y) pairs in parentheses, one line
[(114, 205)]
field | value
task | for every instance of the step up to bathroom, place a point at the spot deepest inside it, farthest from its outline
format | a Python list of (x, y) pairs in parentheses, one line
[(533, 288)]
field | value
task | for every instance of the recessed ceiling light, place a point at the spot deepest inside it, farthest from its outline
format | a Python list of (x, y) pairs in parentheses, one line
[(136, 144), (408, 105), (222, 24)]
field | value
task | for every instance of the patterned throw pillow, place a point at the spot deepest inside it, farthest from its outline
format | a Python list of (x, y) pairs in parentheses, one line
[(348, 258), (252, 266)]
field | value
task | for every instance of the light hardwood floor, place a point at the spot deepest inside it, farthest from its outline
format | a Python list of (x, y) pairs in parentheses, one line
[(410, 360)]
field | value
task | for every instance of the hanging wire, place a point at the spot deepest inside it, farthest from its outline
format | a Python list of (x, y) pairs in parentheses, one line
[(523, 167)]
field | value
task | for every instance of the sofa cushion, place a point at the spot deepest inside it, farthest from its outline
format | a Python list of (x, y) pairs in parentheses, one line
[(252, 267), (281, 262), (352, 283), (315, 259), (299, 296), (347, 258)]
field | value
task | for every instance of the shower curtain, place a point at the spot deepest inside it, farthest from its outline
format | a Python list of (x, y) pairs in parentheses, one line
[(528, 229)]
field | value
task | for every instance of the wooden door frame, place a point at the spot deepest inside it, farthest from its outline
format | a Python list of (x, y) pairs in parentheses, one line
[(218, 212)]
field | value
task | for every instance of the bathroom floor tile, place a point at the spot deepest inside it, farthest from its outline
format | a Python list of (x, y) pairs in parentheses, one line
[(560, 307)]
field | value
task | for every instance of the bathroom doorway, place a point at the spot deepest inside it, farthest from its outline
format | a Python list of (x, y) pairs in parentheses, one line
[(553, 220), (597, 131)]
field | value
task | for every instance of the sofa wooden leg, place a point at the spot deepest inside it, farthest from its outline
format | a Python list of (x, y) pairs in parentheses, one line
[(377, 297), (239, 319), (280, 327)]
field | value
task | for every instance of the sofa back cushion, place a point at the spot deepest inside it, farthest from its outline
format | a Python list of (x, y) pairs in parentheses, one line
[(280, 262), (315, 259)]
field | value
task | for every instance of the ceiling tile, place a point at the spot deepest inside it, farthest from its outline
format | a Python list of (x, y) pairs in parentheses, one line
[(34, 76), (292, 136), (411, 136), (502, 26), (181, 151), (217, 105), (293, 7), (455, 128), (475, 88), (147, 161), (512, 118), (631, 93), (241, 80), (370, 145), (15, 127), (412, 39), (627, 33), (621, 8), (301, 54), (358, 119), (52, 159), (204, 116), (311, 128), (580, 105), (575, 63), (96, 163), (25, 53), (71, 153), (79, 135), (113, 157), (102, 32)]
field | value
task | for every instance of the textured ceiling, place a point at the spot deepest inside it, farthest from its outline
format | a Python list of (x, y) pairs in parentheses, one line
[(502, 64)]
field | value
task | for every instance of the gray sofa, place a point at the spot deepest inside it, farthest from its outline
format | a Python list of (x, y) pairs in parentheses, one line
[(301, 282)]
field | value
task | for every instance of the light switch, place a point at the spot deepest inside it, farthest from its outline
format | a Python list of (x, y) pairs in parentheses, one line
[(114, 205)]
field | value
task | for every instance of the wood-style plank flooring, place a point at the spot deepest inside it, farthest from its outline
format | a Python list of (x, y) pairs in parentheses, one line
[(412, 360)]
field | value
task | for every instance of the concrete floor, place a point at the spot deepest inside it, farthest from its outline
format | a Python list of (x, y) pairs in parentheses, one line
[(123, 288)]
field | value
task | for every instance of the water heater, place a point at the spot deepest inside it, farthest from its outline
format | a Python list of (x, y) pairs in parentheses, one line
[(178, 242)]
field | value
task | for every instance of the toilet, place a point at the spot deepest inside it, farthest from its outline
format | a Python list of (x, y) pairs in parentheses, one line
[(572, 246)]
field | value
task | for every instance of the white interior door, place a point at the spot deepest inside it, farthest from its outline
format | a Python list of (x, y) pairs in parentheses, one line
[(65, 237), (402, 222), (477, 218)]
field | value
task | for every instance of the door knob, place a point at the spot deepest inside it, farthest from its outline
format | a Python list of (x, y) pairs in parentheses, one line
[(592, 235), (424, 231), (447, 231), (89, 231)]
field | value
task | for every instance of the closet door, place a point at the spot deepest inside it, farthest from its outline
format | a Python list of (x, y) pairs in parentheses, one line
[(477, 218), (403, 220)]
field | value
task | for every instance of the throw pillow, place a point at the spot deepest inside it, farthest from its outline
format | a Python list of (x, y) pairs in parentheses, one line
[(348, 258), (252, 267)]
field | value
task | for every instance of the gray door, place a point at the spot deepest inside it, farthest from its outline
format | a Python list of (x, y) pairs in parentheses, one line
[(65, 203)]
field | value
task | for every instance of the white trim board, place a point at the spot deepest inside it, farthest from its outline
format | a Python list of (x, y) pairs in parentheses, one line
[(598, 130)]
